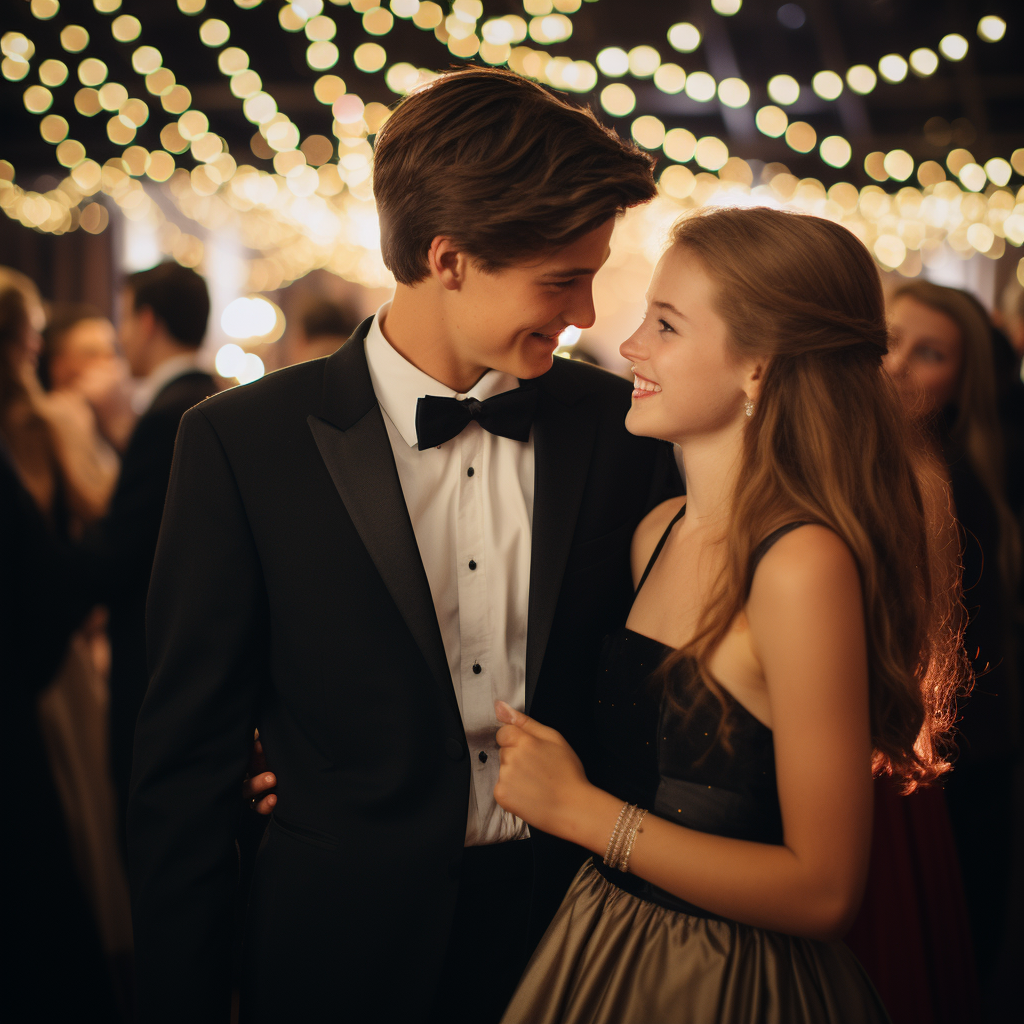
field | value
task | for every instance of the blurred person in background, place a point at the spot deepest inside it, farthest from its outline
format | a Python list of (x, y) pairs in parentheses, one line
[(941, 359), (80, 357), (56, 967), (164, 314), (324, 327)]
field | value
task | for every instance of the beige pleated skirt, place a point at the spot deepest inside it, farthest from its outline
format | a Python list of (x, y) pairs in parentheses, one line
[(612, 958)]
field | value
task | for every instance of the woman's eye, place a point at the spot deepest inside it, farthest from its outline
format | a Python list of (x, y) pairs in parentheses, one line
[(664, 325), (929, 355)]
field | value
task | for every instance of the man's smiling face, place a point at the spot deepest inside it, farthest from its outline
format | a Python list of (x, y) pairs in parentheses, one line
[(510, 319)]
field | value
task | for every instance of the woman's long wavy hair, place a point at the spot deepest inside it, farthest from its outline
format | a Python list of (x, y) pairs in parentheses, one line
[(828, 443)]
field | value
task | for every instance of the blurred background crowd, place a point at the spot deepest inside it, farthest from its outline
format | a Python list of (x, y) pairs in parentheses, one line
[(165, 284)]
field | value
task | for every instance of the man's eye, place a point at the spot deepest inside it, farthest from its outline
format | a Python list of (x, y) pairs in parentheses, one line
[(565, 284)]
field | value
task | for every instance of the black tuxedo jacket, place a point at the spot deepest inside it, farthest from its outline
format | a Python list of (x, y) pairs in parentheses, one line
[(288, 593), (124, 549)]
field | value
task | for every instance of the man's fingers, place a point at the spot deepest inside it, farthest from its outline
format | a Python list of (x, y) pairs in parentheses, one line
[(266, 805), (258, 784)]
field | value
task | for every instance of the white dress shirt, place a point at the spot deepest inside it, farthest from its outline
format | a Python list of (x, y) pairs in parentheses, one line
[(471, 505), (149, 387)]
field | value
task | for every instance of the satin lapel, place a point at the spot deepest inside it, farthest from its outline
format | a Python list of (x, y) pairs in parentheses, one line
[(354, 444), (564, 435)]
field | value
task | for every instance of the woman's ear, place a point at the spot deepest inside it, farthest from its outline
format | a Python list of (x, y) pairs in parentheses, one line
[(752, 386), (447, 263)]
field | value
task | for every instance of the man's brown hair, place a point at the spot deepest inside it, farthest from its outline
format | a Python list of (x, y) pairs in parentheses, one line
[(499, 165)]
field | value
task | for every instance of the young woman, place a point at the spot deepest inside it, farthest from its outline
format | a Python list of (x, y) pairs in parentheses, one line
[(941, 360), (786, 641)]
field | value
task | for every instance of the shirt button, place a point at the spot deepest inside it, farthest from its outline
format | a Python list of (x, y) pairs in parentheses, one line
[(472, 564), (469, 472), (483, 756), (477, 670)]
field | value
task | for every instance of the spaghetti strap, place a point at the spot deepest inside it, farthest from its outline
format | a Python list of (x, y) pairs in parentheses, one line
[(763, 548), (657, 550)]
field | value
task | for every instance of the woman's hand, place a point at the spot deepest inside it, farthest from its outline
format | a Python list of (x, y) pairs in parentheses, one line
[(541, 780), (259, 780)]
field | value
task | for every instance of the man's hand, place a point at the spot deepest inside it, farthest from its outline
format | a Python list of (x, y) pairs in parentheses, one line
[(541, 780), (259, 781)]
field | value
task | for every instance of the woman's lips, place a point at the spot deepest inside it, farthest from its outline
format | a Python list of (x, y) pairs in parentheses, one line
[(644, 388)]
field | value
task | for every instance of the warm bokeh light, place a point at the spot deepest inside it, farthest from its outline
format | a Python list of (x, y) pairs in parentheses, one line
[(861, 79), (892, 67), (74, 38), (835, 151), (827, 84), (998, 171), (700, 86), (726, 7), (924, 62), (680, 144), (874, 165), (643, 61), (53, 73), (125, 28), (649, 131), (670, 78), (618, 99), (684, 37), (92, 71), (898, 164), (991, 28), (734, 92), (370, 57), (252, 317), (953, 46), (801, 137), (784, 89), (711, 153), (37, 99), (772, 121), (613, 62), (972, 176)]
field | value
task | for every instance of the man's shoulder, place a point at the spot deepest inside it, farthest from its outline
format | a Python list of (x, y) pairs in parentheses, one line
[(280, 393)]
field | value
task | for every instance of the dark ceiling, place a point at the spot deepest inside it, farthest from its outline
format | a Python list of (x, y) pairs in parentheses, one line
[(981, 98)]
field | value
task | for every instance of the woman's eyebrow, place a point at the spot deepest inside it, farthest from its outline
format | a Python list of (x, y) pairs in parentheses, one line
[(658, 304)]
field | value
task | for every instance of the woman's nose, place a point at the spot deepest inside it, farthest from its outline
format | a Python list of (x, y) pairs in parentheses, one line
[(633, 348)]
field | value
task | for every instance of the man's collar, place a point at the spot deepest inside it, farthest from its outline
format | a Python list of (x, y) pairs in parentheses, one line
[(398, 384), (170, 369)]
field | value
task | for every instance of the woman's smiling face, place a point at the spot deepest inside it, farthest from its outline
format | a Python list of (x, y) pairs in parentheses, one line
[(688, 379)]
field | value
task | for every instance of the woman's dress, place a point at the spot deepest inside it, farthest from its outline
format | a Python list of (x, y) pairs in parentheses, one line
[(622, 951)]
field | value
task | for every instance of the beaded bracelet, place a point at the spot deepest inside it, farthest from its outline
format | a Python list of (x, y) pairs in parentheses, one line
[(620, 843)]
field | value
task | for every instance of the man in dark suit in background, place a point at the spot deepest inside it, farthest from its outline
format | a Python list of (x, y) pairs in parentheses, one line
[(164, 313), (359, 555)]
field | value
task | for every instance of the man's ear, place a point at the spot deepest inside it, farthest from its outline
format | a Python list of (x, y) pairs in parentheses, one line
[(448, 264)]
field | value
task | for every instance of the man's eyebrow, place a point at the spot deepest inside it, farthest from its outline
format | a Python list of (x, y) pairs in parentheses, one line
[(571, 272), (668, 305)]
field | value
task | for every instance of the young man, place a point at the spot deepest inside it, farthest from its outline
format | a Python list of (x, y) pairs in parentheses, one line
[(164, 311), (359, 556)]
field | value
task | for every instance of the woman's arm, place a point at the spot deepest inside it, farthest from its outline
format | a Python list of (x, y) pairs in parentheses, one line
[(806, 624)]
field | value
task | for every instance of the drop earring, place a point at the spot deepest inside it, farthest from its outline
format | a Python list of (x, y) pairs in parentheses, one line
[(748, 407)]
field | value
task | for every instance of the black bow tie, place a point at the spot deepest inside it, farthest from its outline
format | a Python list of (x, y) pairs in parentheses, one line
[(509, 414)]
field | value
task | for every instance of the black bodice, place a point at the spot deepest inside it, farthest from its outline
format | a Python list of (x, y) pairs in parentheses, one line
[(671, 760), (653, 755)]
